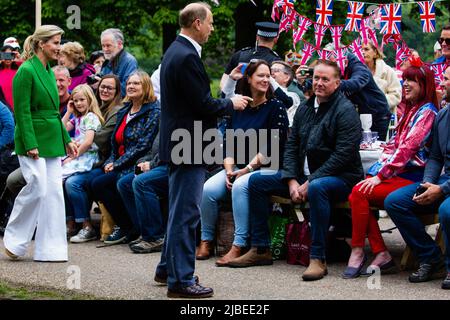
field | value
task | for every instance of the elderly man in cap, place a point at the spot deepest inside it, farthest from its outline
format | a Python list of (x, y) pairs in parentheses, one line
[(266, 38)]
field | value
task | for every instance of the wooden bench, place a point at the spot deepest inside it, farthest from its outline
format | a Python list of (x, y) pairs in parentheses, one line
[(407, 261)]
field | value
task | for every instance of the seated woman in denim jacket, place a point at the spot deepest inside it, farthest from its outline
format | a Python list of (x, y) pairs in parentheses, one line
[(135, 132), (402, 163), (264, 112)]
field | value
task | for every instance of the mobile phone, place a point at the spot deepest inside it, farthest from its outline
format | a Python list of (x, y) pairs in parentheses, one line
[(232, 178), (307, 72), (420, 190), (244, 67), (137, 170), (7, 55)]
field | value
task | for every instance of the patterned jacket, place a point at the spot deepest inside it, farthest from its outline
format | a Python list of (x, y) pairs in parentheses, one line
[(408, 149), (139, 135)]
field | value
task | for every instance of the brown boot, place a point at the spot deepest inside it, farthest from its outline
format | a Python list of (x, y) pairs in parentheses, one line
[(204, 250), (315, 271), (234, 253), (254, 257)]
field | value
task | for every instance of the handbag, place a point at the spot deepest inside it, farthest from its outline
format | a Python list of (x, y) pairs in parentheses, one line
[(277, 227), (298, 242)]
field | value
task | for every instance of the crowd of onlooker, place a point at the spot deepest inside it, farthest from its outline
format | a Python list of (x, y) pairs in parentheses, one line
[(111, 110)]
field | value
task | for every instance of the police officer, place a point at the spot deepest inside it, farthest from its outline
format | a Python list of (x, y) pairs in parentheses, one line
[(266, 38)]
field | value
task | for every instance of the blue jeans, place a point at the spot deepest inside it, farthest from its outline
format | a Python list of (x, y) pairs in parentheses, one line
[(215, 191), (403, 212), (261, 187), (322, 192), (78, 195), (141, 196)]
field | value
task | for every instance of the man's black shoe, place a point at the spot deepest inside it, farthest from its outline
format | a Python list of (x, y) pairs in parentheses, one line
[(446, 283), (163, 280), (428, 271), (195, 291)]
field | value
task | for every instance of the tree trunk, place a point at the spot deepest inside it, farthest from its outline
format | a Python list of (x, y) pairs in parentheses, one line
[(245, 17), (169, 34)]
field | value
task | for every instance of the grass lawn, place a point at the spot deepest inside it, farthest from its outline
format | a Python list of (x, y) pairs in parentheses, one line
[(10, 291)]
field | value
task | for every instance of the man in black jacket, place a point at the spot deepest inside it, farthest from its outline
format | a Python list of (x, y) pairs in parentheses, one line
[(321, 165)]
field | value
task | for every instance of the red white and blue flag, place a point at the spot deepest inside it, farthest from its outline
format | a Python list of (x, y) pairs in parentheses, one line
[(281, 5), (324, 12), (325, 54), (391, 18), (355, 47), (307, 51), (438, 69), (402, 53), (320, 30), (341, 58), (354, 15), (303, 26), (427, 16), (287, 20), (336, 34)]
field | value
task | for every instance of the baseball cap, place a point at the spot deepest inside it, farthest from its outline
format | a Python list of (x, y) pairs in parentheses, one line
[(12, 42), (267, 29)]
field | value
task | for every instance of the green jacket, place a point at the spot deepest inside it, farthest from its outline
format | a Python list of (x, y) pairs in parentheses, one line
[(36, 111)]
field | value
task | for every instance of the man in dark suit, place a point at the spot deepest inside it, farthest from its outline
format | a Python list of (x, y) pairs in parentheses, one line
[(185, 99)]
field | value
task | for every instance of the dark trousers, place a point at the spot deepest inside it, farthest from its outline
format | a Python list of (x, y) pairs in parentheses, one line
[(105, 190), (178, 255), (381, 125)]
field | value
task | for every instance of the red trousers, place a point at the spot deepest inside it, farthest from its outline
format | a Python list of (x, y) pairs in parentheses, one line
[(363, 222)]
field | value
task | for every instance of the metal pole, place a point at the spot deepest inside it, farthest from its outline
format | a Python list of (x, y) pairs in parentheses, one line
[(38, 13)]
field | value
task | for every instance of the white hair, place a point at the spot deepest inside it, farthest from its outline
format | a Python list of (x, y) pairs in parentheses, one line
[(59, 68), (116, 34)]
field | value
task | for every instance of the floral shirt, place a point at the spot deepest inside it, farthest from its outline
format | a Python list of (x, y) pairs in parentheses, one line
[(84, 162)]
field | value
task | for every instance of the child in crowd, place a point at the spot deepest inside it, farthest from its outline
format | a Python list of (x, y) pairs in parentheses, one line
[(88, 119)]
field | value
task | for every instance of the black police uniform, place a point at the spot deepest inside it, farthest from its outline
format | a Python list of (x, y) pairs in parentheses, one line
[(248, 53)]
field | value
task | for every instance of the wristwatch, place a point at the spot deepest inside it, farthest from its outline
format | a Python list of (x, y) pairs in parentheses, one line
[(250, 168)]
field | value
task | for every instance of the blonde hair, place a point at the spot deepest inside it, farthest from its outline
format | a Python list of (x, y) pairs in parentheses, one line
[(74, 51), (147, 87), (378, 53), (43, 33), (93, 107)]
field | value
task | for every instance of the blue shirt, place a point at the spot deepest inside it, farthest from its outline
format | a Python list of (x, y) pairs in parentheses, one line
[(125, 66)]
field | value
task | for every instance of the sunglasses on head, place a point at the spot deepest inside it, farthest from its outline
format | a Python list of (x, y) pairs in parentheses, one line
[(442, 40)]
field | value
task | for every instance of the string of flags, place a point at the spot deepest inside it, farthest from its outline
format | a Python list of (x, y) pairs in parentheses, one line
[(386, 17)]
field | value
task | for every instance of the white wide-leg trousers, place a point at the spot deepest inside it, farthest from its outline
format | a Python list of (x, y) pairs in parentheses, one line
[(39, 205)]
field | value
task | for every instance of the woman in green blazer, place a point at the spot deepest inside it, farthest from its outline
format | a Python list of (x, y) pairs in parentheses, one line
[(40, 140)]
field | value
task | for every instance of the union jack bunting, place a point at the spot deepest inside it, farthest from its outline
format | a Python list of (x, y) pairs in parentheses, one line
[(391, 18), (355, 47), (281, 5), (438, 70), (340, 55), (354, 15), (303, 26), (427, 16), (366, 32), (307, 51), (320, 30), (286, 20), (325, 54), (402, 53), (390, 38), (324, 12), (336, 34)]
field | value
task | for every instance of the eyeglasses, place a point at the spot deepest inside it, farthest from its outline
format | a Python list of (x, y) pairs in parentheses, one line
[(275, 70), (107, 88), (442, 40)]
